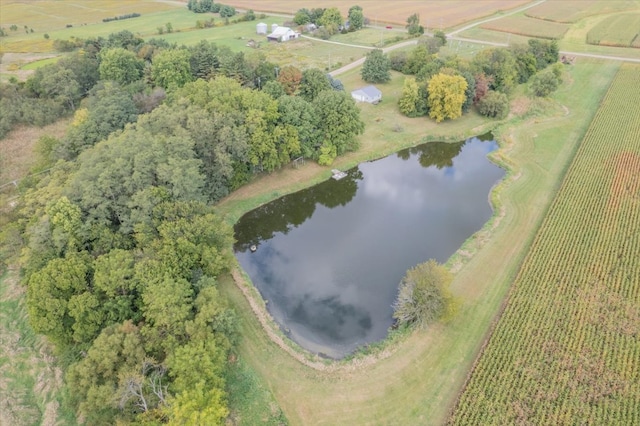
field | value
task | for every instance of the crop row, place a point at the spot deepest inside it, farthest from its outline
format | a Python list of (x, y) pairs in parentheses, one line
[(566, 349)]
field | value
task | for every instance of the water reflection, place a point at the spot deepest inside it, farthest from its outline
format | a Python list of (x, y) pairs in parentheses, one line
[(330, 258)]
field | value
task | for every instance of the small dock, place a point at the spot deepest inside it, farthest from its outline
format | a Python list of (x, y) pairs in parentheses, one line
[(337, 174)]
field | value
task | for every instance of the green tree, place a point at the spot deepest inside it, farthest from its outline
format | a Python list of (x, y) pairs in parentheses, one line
[(376, 67), (423, 295), (198, 405), (297, 112), (95, 380), (500, 65), (204, 59), (331, 19), (49, 292), (274, 89), (525, 62), (544, 83), (166, 304), (440, 35), (85, 68), (58, 84), (338, 123), (171, 68), (410, 97), (313, 82), (417, 59), (302, 17), (413, 25), (494, 104), (545, 51), (227, 11), (110, 108), (356, 18), (446, 96)]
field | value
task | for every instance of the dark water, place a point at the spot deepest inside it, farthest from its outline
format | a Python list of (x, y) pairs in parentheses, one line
[(329, 258)]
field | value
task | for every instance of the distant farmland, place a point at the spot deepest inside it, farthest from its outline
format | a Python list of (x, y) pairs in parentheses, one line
[(567, 349), (433, 14), (618, 30), (570, 11), (528, 27)]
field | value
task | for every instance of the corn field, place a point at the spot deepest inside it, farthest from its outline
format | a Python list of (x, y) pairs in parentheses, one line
[(566, 349)]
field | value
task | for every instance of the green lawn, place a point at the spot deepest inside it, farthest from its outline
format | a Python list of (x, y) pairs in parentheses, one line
[(418, 379)]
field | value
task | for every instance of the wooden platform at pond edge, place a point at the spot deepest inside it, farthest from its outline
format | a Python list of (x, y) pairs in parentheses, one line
[(337, 174)]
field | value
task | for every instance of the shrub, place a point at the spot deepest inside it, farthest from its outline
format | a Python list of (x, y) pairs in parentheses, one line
[(494, 104), (423, 295)]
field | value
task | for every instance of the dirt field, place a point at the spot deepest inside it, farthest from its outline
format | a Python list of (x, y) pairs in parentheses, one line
[(434, 14)]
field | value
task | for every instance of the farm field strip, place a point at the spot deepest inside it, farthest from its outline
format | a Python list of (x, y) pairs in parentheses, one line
[(617, 30), (528, 27), (566, 348), (434, 14), (571, 11)]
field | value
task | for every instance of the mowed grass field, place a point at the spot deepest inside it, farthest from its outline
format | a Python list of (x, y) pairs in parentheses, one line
[(567, 347), (417, 380), (433, 13), (570, 11), (617, 30), (529, 27)]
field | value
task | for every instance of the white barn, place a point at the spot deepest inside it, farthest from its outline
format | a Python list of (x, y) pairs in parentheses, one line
[(369, 94), (282, 34)]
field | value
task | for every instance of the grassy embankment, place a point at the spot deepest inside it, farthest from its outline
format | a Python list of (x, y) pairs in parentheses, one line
[(418, 379)]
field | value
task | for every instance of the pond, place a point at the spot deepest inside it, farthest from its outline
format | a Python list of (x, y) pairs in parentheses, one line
[(328, 259)]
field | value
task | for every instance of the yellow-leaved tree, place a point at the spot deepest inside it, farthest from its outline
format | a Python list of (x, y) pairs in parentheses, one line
[(446, 96)]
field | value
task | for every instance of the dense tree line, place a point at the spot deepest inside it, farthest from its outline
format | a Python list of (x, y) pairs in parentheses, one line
[(121, 249), (446, 87)]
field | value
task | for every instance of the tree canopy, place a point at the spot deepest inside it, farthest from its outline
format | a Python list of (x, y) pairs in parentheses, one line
[(446, 96), (376, 67), (423, 295)]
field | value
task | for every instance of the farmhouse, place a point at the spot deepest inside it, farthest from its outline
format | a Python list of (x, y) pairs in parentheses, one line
[(369, 94), (282, 34)]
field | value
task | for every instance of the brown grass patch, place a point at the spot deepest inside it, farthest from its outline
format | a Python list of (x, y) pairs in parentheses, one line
[(18, 149), (434, 14)]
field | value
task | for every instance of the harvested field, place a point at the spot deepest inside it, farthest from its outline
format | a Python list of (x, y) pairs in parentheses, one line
[(434, 14), (569, 11), (617, 30), (529, 27)]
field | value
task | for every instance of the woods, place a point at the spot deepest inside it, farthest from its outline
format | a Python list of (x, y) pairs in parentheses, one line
[(122, 247)]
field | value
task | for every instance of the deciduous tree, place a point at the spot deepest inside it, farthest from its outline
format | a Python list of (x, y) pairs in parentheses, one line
[(376, 67), (423, 295), (313, 83), (494, 104), (338, 123), (171, 68), (446, 96)]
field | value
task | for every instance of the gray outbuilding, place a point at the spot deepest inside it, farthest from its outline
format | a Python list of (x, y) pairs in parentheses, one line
[(369, 94)]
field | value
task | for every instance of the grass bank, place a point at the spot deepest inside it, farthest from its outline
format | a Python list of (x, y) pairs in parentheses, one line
[(419, 379)]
